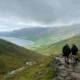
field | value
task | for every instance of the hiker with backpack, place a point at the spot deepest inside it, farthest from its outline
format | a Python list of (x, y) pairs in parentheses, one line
[(66, 52), (74, 51)]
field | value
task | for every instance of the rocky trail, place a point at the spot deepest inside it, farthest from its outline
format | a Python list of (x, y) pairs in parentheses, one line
[(63, 70), (66, 71)]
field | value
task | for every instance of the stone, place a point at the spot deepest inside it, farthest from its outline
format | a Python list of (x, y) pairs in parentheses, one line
[(61, 59), (70, 70), (68, 78), (64, 73), (63, 70), (62, 67), (55, 78), (41, 72), (28, 63), (60, 78)]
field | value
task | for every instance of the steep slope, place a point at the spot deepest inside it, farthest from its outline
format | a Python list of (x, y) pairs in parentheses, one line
[(26, 33), (13, 56), (42, 70), (56, 34), (57, 47)]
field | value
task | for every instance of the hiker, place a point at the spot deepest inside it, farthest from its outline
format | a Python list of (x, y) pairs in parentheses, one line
[(66, 52), (74, 51)]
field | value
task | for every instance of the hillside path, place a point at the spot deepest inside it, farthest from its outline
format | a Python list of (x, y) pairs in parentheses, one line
[(65, 71)]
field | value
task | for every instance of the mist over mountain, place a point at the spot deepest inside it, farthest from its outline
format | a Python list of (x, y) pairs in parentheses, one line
[(18, 14), (45, 35)]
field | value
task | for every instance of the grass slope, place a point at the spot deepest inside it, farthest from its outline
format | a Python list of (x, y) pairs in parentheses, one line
[(33, 72), (56, 48), (55, 35), (52, 35), (13, 56)]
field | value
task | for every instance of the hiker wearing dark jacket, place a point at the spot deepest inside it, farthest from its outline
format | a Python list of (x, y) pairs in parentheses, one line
[(74, 51), (66, 52)]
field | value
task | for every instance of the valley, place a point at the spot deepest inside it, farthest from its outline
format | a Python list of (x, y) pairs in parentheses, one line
[(48, 35), (48, 44), (46, 65), (42, 35)]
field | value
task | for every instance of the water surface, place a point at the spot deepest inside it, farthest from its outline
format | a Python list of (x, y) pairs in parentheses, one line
[(18, 41)]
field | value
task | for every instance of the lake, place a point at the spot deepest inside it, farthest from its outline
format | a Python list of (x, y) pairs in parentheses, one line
[(18, 41)]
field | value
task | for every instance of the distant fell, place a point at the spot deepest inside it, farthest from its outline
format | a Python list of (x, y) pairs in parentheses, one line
[(47, 35)]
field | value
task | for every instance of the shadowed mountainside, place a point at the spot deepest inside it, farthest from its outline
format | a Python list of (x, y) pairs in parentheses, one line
[(13, 56)]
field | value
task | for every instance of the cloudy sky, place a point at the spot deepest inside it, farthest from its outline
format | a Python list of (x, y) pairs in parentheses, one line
[(16, 14)]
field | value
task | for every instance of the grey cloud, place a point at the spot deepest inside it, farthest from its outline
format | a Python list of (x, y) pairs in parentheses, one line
[(39, 11)]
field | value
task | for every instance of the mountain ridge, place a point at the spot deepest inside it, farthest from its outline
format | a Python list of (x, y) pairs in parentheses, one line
[(46, 35)]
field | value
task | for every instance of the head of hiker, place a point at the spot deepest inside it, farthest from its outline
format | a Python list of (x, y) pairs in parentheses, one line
[(66, 51)]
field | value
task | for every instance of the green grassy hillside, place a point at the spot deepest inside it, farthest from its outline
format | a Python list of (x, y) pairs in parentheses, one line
[(54, 35), (42, 70), (33, 72), (13, 56), (56, 48)]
